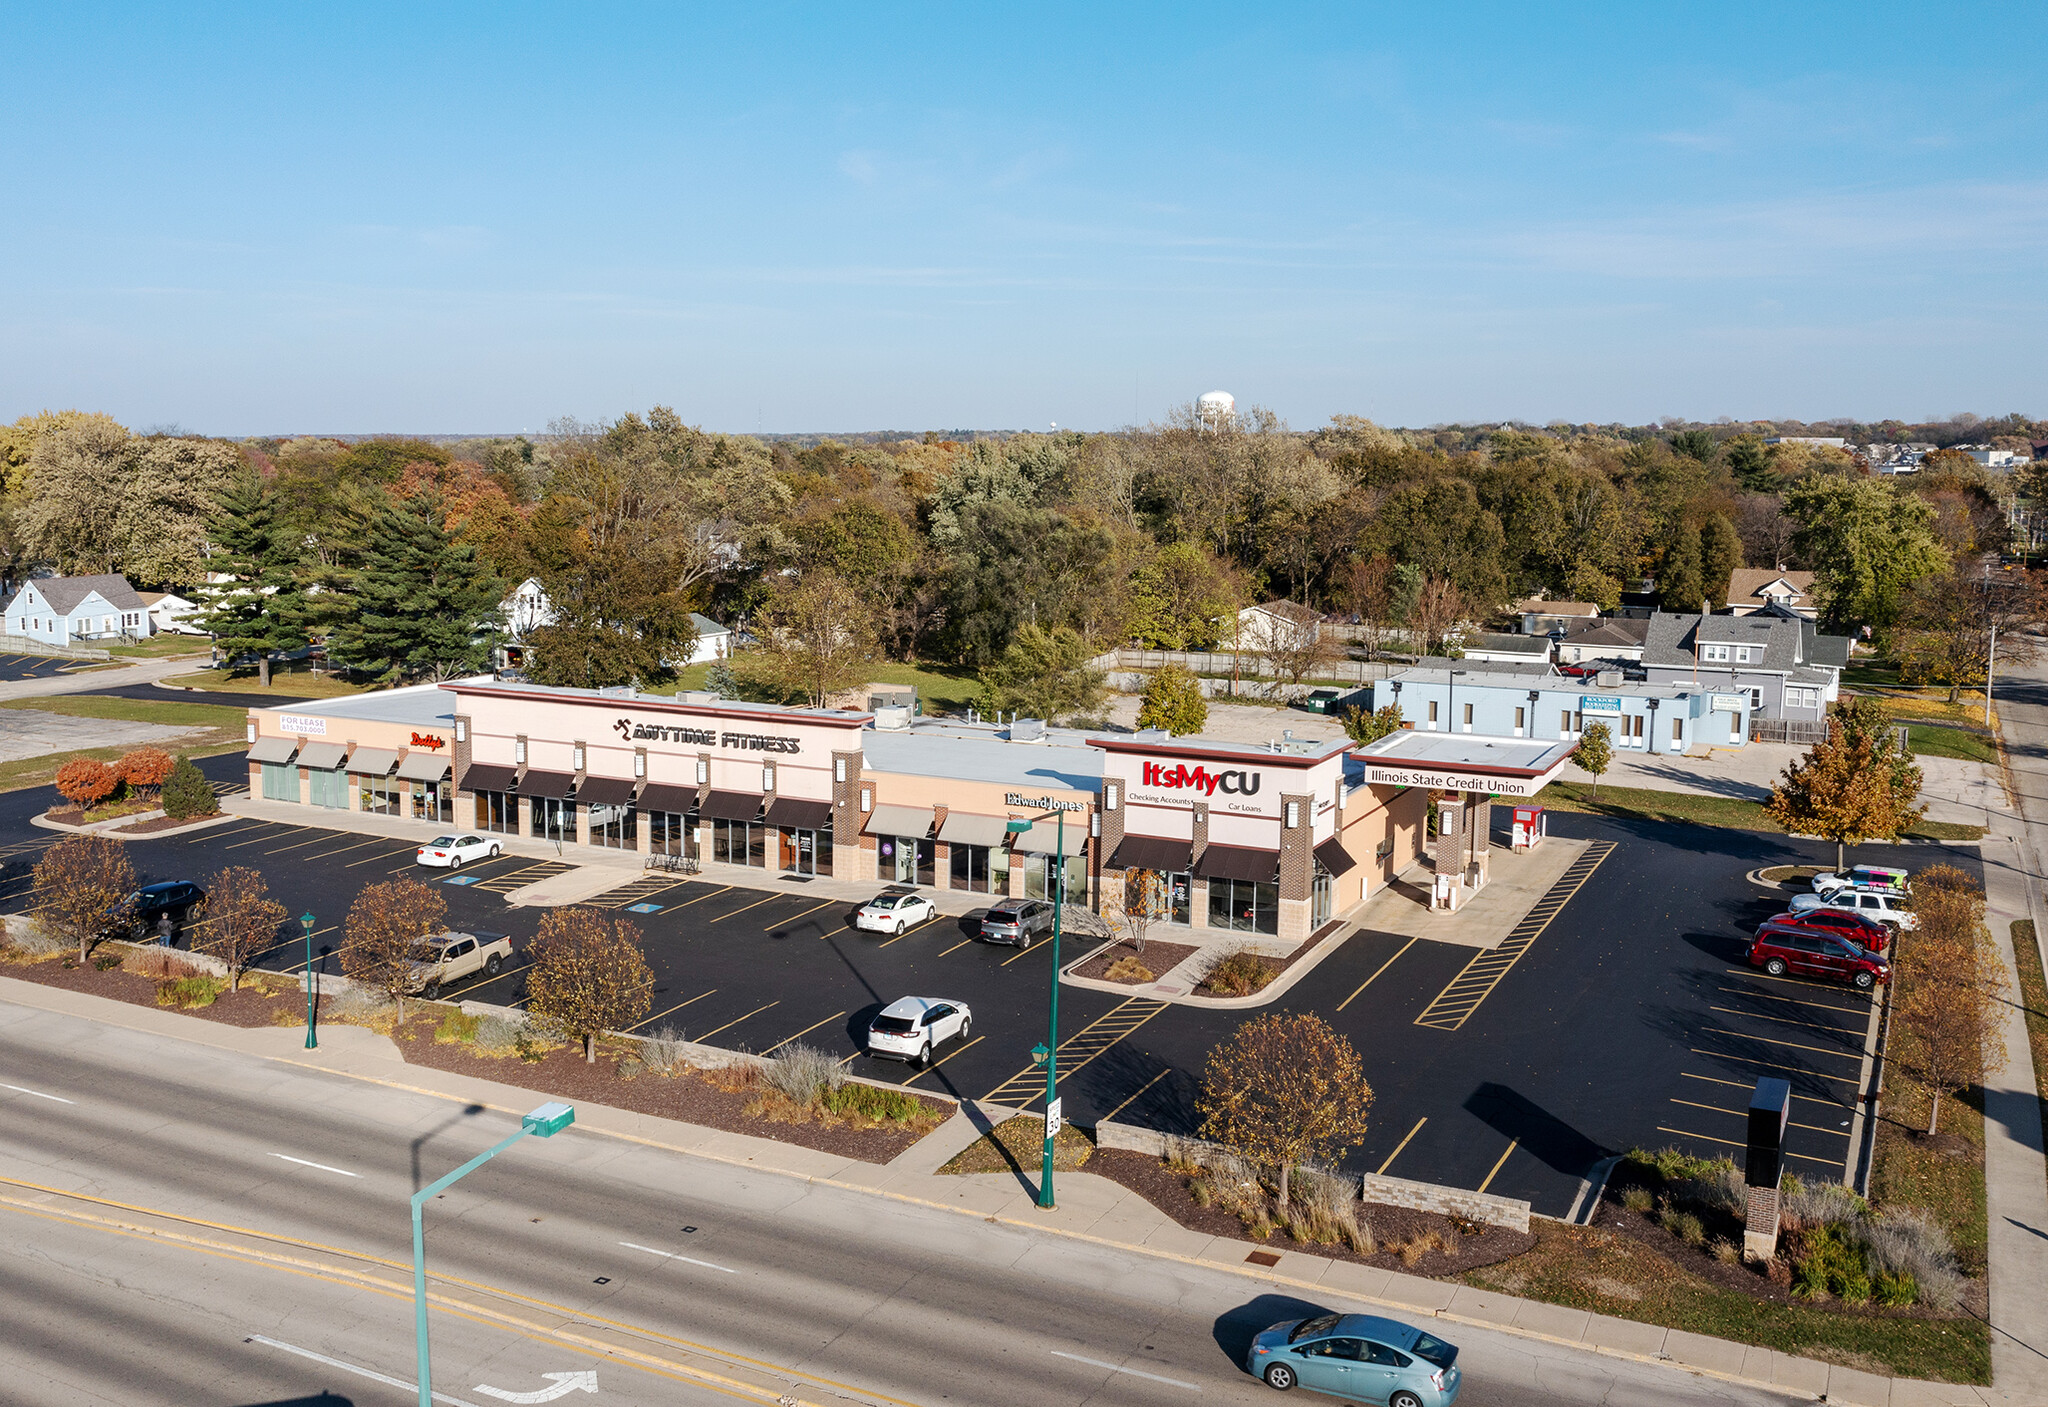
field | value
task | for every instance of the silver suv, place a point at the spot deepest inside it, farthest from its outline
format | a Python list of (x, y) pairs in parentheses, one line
[(1017, 921)]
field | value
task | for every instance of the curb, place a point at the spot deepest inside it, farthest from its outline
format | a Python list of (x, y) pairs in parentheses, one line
[(110, 829)]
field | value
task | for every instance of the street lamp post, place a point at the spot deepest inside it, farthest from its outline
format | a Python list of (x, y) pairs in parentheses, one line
[(545, 1122), (306, 922), (1048, 1054)]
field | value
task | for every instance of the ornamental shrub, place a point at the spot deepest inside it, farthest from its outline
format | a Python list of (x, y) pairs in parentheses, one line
[(187, 793), (86, 781)]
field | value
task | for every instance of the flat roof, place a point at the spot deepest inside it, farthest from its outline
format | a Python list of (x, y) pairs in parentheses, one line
[(981, 753), (1469, 752), (634, 698), (1302, 751), (1557, 684), (419, 705)]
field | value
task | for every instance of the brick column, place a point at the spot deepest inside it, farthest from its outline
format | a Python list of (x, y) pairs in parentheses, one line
[(1482, 834), (1449, 842), (643, 833), (465, 802), (1198, 888), (847, 819)]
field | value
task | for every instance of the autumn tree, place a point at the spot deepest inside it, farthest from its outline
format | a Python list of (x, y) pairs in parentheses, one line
[(589, 975), (1595, 752), (816, 639), (387, 929), (1283, 1090), (1173, 700), (1855, 786), (1145, 903), (86, 781), (1868, 542), (1043, 674), (1948, 992), (1438, 611), (81, 888), (1948, 622), (241, 919), (1371, 592), (1363, 727), (1183, 599), (146, 769)]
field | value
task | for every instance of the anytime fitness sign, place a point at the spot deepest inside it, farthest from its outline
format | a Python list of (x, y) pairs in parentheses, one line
[(706, 737)]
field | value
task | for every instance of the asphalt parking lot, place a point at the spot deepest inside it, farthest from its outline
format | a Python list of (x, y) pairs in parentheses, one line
[(16, 667), (1621, 1013)]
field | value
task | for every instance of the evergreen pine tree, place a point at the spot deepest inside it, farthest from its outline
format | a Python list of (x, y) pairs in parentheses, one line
[(260, 607), (422, 605)]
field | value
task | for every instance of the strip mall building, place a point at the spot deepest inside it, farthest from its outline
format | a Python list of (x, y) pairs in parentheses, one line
[(1273, 838)]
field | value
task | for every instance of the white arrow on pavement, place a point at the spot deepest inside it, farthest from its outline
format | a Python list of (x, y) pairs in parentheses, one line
[(564, 1383)]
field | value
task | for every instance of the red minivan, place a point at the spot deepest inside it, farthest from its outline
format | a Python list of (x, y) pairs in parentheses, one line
[(1779, 948), (1863, 932)]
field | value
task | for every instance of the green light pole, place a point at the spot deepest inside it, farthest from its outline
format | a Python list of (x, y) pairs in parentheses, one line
[(306, 922), (1048, 1054), (545, 1122)]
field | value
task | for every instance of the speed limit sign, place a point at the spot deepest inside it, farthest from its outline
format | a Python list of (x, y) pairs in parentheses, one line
[(1052, 1119)]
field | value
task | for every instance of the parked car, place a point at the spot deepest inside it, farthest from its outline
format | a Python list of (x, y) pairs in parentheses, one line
[(896, 908), (1779, 948), (1884, 877), (176, 899), (449, 851), (454, 956), (1319, 700), (909, 1028), (1875, 903), (1360, 1357), (1017, 921), (1863, 931)]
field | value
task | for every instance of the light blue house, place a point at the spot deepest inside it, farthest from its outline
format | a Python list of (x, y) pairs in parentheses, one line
[(1640, 717), (61, 610)]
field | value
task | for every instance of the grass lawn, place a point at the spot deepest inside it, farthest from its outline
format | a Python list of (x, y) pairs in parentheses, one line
[(1020, 1143), (170, 711), (1933, 740), (941, 688), (2034, 1001), (1643, 803), (1588, 1268), (299, 683), (1944, 1175), (1870, 673), (159, 647)]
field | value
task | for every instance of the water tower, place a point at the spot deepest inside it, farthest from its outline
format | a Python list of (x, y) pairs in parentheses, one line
[(1215, 410)]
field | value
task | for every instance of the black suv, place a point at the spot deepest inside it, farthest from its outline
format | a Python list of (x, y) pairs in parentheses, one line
[(180, 899), (1017, 921)]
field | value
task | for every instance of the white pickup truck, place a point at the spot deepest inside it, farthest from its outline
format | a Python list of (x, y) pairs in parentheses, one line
[(454, 956)]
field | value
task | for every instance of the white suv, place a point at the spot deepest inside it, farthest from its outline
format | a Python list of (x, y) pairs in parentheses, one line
[(1871, 903)]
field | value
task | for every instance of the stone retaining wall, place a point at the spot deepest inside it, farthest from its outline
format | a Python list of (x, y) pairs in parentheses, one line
[(1510, 1212)]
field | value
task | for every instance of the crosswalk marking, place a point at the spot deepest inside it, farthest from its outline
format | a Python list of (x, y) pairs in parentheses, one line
[(637, 891), (1454, 1005), (523, 876), (1022, 1089)]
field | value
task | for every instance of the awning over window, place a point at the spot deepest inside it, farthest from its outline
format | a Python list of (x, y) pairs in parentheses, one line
[(485, 776), (422, 767), (966, 828), (1332, 856), (325, 756), (1148, 852), (732, 806), (1237, 862), (378, 762), (915, 822), (538, 783), (1043, 838), (604, 791), (273, 750), (799, 815), (662, 796)]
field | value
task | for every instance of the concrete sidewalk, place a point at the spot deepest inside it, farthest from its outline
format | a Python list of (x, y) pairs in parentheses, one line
[(1090, 1208)]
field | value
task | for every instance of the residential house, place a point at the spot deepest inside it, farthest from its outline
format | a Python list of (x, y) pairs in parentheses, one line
[(527, 609), (1779, 592), (1277, 625), (1605, 641), (1784, 665), (1540, 617), (170, 613), (1507, 649), (61, 610)]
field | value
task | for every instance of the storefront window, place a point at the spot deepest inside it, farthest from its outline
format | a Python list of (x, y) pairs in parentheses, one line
[(1322, 899), (672, 833), (329, 787), (433, 801), (280, 781), (803, 851), (377, 795), (554, 818), (904, 859), (1247, 906), (615, 827), (739, 843), (1040, 881), (498, 812), (968, 868)]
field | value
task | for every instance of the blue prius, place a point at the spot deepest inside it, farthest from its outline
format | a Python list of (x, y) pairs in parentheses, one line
[(1358, 1357)]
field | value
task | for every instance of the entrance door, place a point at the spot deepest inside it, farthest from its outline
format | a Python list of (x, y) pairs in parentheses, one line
[(1322, 899)]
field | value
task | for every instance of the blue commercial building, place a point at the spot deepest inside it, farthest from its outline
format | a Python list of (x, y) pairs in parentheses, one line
[(1664, 717)]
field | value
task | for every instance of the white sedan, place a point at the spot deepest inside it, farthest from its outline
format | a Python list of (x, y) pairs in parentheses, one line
[(893, 910), (908, 1029), (447, 852)]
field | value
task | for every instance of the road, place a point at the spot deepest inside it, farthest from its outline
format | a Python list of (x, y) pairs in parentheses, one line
[(292, 1186)]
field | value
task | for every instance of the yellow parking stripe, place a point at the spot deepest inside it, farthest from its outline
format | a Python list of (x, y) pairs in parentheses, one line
[(1454, 1005), (957, 946), (1771, 1065), (1784, 1020), (1744, 1113), (1863, 1010), (957, 1050), (722, 889), (1077, 1050), (1025, 953), (908, 931), (743, 908), (801, 1034), (677, 1007), (1375, 977), (1757, 974), (1790, 1045), (736, 1021), (1513, 1144), (1738, 1084), (261, 838), (791, 920), (1134, 1098), (1734, 1143), (1402, 1144)]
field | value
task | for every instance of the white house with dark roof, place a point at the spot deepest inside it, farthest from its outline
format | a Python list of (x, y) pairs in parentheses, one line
[(62, 610), (1277, 625), (1786, 666), (1763, 589)]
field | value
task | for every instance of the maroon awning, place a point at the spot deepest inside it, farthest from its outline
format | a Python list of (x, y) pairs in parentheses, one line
[(1149, 852), (487, 776), (1332, 856), (605, 791), (731, 806), (1238, 862)]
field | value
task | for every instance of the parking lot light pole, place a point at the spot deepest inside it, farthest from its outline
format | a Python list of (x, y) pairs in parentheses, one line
[(306, 921), (1052, 1039), (545, 1122)]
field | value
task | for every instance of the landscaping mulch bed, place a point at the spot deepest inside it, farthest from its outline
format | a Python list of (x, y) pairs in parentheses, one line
[(1161, 958), (249, 1006), (1278, 966), (1167, 1190), (164, 823)]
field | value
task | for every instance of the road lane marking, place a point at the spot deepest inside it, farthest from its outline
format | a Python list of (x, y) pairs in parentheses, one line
[(677, 1007), (671, 1255), (744, 907), (1375, 977), (371, 1373), (582, 1380), (736, 1021), (322, 1166), (804, 1032), (1402, 1144), (53, 1098), (957, 1050), (1134, 1098), (1134, 1372), (1513, 1144)]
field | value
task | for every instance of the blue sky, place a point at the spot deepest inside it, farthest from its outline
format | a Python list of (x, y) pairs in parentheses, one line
[(271, 219)]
